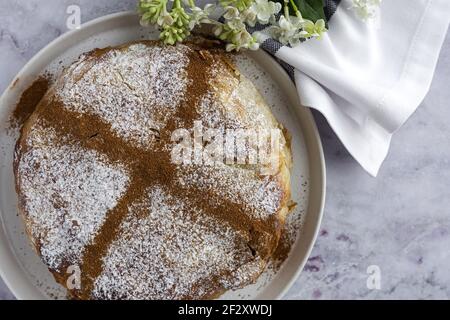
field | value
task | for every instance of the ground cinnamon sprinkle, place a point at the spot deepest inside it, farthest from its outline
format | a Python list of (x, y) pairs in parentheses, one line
[(282, 251), (29, 100), (289, 234)]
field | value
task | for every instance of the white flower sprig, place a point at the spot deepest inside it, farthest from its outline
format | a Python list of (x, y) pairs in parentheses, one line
[(177, 22), (365, 9), (200, 16), (264, 11), (234, 32), (291, 29)]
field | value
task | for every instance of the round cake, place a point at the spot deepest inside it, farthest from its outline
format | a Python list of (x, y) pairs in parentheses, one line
[(109, 210)]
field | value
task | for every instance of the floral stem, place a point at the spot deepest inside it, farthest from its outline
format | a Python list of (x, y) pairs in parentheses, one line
[(294, 7), (286, 10)]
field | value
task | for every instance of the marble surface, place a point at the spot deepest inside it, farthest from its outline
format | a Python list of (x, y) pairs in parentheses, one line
[(398, 222)]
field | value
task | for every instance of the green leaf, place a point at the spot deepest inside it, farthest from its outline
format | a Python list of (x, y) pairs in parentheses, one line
[(311, 9)]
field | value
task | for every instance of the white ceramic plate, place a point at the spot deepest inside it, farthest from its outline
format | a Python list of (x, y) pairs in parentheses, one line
[(21, 268)]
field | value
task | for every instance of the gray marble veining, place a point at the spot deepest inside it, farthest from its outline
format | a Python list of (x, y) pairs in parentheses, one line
[(399, 222)]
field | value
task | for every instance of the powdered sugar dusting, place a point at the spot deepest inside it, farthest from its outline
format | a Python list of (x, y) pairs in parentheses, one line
[(184, 250), (260, 196), (234, 102), (135, 90), (67, 192)]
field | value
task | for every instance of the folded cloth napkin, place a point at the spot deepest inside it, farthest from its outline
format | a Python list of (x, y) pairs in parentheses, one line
[(367, 78)]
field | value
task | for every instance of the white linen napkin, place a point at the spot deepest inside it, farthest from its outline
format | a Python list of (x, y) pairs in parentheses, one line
[(368, 78)]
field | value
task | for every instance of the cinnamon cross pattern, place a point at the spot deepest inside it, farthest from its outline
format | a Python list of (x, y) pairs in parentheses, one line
[(147, 168)]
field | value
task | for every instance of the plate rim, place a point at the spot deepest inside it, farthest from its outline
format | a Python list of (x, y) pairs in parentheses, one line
[(320, 172), (11, 271)]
